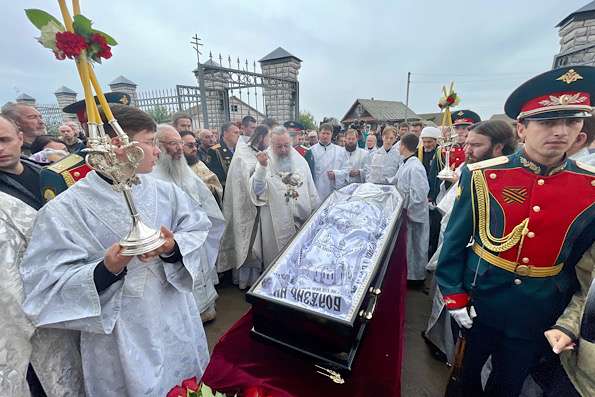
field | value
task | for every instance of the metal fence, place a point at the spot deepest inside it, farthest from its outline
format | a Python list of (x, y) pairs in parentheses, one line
[(162, 104), (52, 117)]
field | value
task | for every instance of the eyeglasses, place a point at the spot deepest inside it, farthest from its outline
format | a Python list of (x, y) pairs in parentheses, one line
[(173, 143), (191, 145)]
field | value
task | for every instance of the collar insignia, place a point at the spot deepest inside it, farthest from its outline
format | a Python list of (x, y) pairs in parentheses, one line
[(531, 165), (570, 77), (514, 195)]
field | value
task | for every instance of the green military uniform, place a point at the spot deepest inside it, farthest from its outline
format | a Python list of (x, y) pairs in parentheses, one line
[(510, 244)]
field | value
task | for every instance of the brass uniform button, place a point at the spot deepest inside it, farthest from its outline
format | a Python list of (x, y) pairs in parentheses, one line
[(530, 234), (517, 281), (540, 182), (493, 176), (536, 208), (525, 260), (593, 182), (77, 174)]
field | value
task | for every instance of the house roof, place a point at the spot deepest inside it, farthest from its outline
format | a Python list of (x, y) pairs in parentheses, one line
[(122, 80), (586, 9), (502, 116), (435, 118), (383, 110), (278, 53)]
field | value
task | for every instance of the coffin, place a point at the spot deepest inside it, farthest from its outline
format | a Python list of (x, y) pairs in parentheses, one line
[(319, 293)]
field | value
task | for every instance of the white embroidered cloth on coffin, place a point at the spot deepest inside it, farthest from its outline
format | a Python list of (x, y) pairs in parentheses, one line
[(327, 267)]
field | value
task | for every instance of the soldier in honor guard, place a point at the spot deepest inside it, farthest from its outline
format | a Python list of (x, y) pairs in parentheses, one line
[(62, 174), (219, 156), (506, 270), (462, 120)]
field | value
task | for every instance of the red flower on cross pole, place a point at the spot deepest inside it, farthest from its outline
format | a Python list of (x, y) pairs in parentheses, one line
[(105, 51), (70, 44)]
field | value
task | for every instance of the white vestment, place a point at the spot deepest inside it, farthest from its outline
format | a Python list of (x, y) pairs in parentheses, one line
[(381, 166), (281, 215), (353, 161), (412, 183), (584, 156), (54, 354), (326, 158), (195, 188), (240, 213), (143, 334)]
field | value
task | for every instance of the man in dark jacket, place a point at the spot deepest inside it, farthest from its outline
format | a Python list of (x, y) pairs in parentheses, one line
[(19, 177)]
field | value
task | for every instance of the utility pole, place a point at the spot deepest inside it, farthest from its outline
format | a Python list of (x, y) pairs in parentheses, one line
[(407, 97), (196, 44)]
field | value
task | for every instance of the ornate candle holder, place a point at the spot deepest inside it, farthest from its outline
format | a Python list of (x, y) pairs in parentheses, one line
[(450, 99)]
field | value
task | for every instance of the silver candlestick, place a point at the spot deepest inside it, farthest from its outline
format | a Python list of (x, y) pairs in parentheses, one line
[(447, 143), (101, 157)]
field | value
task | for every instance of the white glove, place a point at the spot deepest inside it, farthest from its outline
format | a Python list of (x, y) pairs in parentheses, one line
[(462, 317)]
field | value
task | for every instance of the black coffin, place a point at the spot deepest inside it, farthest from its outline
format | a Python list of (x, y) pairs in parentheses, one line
[(310, 322)]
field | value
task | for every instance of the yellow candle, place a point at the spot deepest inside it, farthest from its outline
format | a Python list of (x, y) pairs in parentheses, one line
[(89, 102), (66, 15), (76, 7), (106, 109)]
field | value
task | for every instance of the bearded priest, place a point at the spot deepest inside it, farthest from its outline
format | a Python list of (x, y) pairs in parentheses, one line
[(172, 167), (274, 194)]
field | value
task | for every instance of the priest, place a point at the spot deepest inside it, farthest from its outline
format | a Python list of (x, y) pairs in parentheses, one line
[(172, 167), (241, 216), (353, 167), (324, 158), (283, 187), (138, 320)]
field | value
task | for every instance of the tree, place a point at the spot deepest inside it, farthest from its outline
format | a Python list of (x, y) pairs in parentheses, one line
[(307, 120), (160, 114)]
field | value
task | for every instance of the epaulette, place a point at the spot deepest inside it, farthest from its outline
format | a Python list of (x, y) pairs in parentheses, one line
[(488, 163), (585, 166), (215, 147), (65, 164)]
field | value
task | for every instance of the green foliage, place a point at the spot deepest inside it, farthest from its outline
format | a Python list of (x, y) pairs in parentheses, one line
[(40, 18), (160, 114), (82, 25), (110, 40), (307, 120)]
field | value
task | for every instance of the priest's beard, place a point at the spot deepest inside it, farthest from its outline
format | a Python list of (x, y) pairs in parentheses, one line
[(350, 148), (191, 159), (282, 163), (178, 170)]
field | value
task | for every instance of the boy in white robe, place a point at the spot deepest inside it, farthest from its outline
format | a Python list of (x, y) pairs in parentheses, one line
[(382, 164), (412, 183), (138, 320)]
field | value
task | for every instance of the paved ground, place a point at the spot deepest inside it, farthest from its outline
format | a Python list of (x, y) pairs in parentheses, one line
[(422, 375)]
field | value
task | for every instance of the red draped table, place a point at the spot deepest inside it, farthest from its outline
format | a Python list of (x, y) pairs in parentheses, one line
[(240, 360)]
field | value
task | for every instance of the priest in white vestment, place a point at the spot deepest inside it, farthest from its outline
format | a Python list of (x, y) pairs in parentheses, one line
[(352, 169), (241, 215), (412, 183), (54, 354), (138, 319), (381, 165), (323, 158), (283, 188), (172, 166)]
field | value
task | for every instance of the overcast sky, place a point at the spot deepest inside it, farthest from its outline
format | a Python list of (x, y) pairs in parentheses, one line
[(350, 49)]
